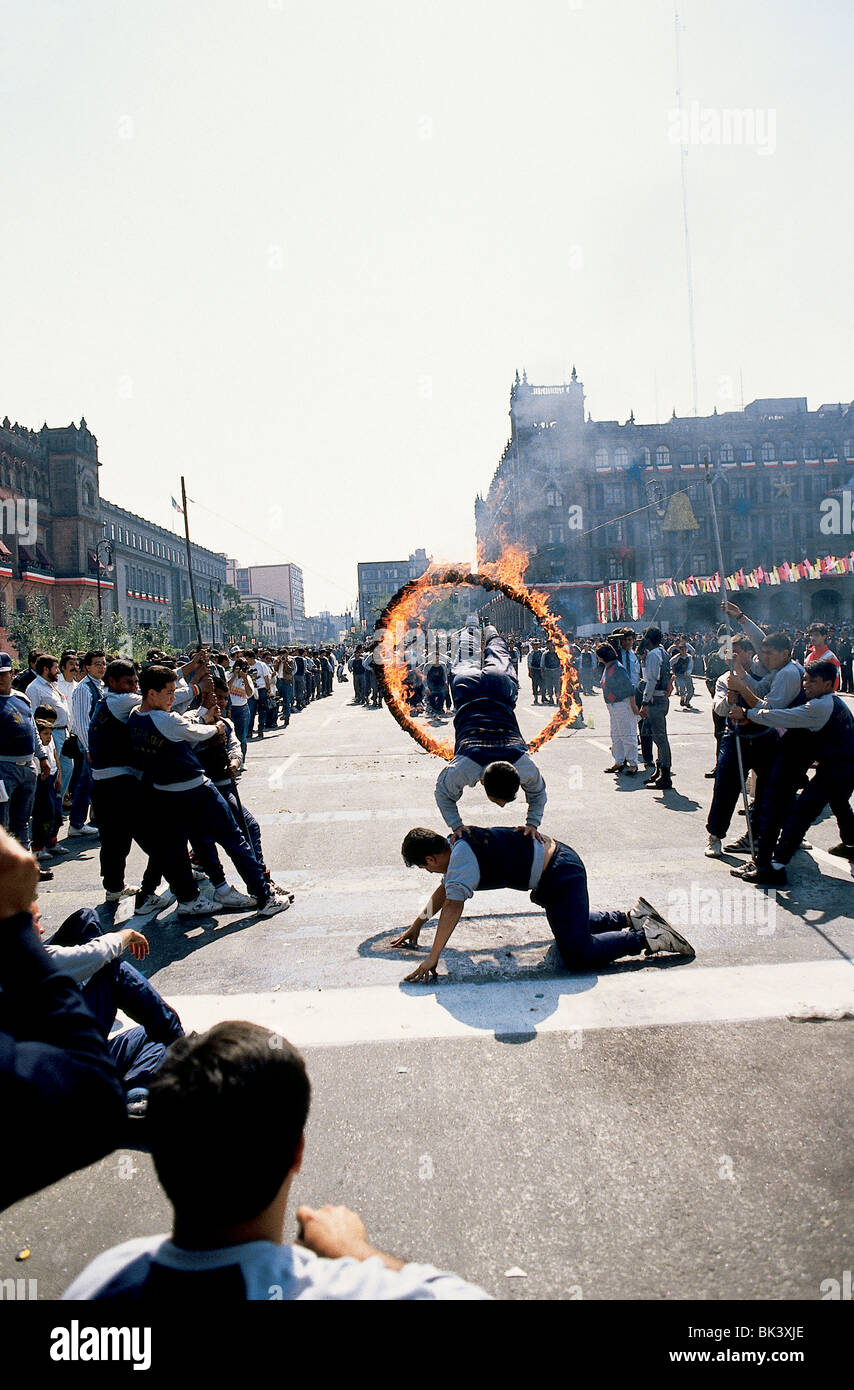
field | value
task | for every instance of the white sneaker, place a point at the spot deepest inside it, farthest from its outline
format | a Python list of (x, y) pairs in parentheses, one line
[(201, 906), (84, 830), (713, 847), (200, 876), (661, 938), (155, 902), (275, 903), (226, 896), (122, 893)]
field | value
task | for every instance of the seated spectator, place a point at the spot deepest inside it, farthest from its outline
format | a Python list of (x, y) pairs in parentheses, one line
[(228, 1172), (61, 1100), (90, 957)]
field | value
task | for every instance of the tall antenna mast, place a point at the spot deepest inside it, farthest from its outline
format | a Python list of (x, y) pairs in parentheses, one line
[(683, 160)]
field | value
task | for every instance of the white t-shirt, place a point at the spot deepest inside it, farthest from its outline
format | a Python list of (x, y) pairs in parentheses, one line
[(262, 674), (258, 1270)]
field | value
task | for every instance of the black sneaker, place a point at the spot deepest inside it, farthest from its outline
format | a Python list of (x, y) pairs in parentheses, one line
[(764, 877), (842, 851)]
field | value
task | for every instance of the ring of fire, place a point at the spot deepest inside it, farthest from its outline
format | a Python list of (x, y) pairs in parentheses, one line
[(405, 605)]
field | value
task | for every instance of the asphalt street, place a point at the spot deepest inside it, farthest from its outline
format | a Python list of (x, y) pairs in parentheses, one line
[(662, 1130)]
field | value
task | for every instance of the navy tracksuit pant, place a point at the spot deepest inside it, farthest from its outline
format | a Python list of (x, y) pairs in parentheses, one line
[(204, 816), (138, 1053), (585, 939)]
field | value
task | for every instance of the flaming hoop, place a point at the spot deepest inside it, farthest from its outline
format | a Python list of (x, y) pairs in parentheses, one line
[(504, 576)]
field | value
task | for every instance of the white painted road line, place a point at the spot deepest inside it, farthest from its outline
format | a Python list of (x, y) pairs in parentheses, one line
[(385, 1013)]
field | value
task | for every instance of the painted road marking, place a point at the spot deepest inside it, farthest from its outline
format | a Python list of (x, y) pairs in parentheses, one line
[(572, 1003)]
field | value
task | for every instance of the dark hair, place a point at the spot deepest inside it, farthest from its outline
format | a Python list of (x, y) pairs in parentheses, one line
[(777, 641), (653, 636), (742, 644), (118, 668), (46, 713), (501, 780), (208, 1123), (35, 654), (823, 670), (606, 652), (90, 657), (418, 844), (820, 628), (155, 678), (44, 663), (220, 684)]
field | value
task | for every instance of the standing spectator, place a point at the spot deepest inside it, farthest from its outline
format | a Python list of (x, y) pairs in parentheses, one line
[(656, 703), (354, 665), (819, 651), (550, 674), (47, 804), (83, 701), (587, 665), (46, 690), (619, 693), (241, 690), (285, 683), (20, 756), (844, 652), (69, 675), (535, 658), (299, 680), (23, 678)]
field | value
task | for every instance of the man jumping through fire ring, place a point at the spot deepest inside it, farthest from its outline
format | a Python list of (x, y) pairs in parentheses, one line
[(488, 743)]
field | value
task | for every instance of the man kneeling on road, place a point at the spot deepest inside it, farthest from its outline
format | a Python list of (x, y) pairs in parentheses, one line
[(556, 879), (488, 743)]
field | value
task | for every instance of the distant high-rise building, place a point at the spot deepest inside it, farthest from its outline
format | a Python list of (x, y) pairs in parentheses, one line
[(379, 579), (281, 582)]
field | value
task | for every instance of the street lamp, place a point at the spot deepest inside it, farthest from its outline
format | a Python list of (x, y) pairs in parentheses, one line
[(106, 564)]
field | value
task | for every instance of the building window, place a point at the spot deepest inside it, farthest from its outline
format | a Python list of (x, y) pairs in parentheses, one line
[(621, 458), (704, 454), (601, 459), (553, 497), (555, 535), (849, 449), (747, 453), (726, 453), (768, 452), (827, 450), (613, 494), (660, 566), (700, 563), (662, 456), (645, 457)]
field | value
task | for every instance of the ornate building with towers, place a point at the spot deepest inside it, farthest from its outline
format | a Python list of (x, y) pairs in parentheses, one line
[(593, 501)]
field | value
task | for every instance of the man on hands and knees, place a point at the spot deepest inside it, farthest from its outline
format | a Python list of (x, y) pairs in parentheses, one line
[(209, 1115), (556, 879), (488, 743)]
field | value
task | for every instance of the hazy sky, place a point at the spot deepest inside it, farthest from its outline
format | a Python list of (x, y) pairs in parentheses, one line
[(297, 250)]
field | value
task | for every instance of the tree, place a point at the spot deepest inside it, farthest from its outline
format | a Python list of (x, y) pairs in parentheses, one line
[(235, 615)]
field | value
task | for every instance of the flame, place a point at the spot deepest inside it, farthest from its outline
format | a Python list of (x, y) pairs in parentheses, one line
[(504, 575)]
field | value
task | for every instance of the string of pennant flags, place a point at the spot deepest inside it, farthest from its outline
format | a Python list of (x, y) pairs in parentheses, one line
[(623, 599)]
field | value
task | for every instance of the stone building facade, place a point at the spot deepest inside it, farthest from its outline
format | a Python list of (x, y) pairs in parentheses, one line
[(151, 579), (50, 517), (594, 501)]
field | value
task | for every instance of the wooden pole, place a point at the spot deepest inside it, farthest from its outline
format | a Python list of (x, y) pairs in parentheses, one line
[(190, 564)]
